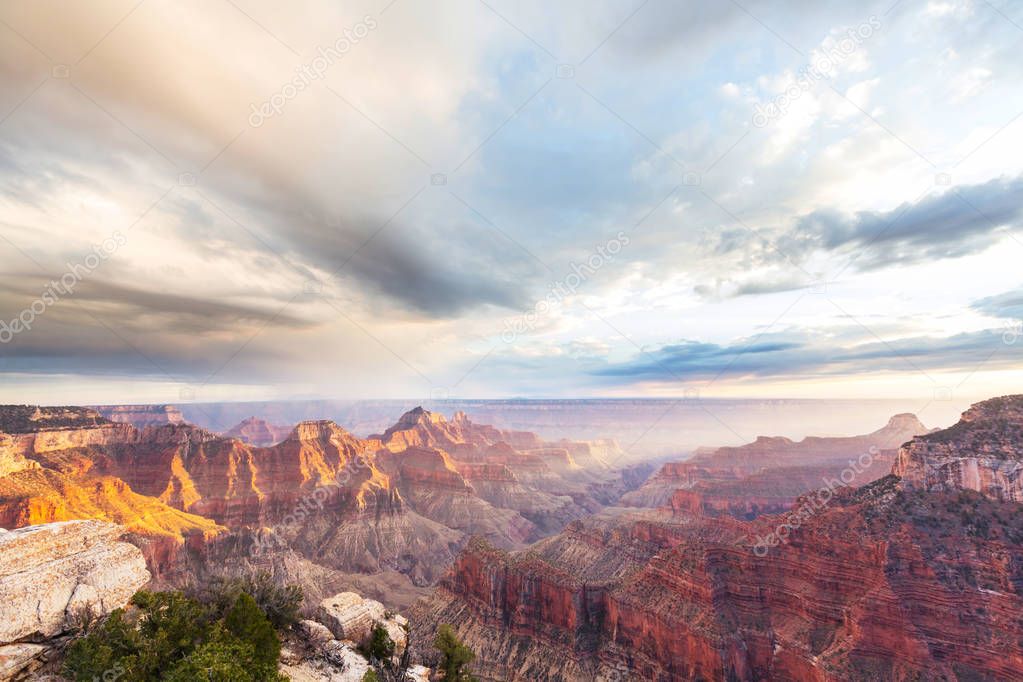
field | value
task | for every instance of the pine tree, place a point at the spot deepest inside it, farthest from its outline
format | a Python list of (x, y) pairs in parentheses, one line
[(454, 655), (248, 623)]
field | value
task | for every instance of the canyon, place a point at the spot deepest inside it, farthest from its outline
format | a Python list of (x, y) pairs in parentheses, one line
[(769, 474), (915, 575), (893, 555), (653, 428), (321, 507)]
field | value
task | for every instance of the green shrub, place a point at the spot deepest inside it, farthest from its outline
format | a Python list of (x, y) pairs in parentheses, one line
[(172, 637), (280, 603), (247, 622), (220, 660), (380, 646), (102, 649), (170, 627), (370, 676), (454, 655)]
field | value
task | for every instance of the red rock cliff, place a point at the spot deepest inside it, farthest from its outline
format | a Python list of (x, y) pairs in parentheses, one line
[(885, 582)]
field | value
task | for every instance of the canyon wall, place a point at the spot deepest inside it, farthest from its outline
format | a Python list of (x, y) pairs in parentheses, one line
[(767, 475), (889, 581), (319, 502), (979, 453)]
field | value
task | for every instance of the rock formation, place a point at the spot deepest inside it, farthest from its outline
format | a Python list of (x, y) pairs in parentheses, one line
[(11, 458), (142, 416), (19, 660), (349, 616), (328, 649), (981, 452), (319, 502), (767, 476), (55, 573), (895, 580), (258, 432)]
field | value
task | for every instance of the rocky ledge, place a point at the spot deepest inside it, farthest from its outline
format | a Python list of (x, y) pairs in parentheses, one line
[(349, 616), (982, 452), (328, 649), (55, 573)]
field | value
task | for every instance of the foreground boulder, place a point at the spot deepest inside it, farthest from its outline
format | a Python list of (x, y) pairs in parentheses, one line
[(334, 661), (54, 573), (327, 649), (20, 659), (349, 616)]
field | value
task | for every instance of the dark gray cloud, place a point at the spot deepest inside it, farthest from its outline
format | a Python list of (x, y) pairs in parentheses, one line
[(105, 329), (958, 222), (428, 264), (140, 310), (802, 354), (109, 329), (770, 286), (438, 283)]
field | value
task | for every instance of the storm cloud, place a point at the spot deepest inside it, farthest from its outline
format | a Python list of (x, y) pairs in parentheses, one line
[(954, 223), (801, 354)]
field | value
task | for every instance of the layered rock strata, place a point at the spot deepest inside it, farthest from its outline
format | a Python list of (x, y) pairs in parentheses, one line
[(900, 579)]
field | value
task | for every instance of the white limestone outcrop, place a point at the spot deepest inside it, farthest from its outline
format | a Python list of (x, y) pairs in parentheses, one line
[(349, 616), (51, 572)]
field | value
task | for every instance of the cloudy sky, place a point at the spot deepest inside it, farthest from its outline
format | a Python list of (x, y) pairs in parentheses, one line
[(238, 199)]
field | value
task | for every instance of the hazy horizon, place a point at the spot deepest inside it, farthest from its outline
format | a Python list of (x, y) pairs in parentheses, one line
[(644, 427)]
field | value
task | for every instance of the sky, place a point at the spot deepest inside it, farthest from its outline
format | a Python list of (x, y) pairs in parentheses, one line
[(240, 200)]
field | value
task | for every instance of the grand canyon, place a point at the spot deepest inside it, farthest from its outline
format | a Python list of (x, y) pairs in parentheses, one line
[(890, 555), (511, 341)]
